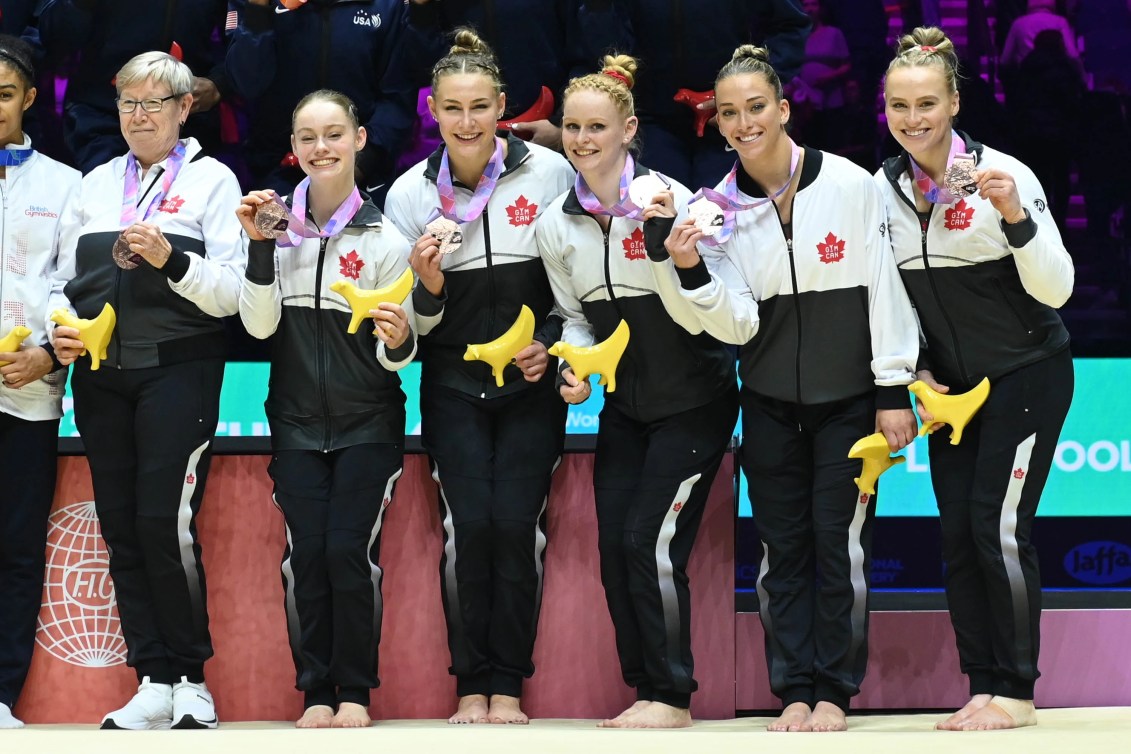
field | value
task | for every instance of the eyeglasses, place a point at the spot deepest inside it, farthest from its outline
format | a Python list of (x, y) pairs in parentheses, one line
[(153, 105)]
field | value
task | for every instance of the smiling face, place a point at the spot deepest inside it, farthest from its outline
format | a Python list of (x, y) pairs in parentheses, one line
[(920, 110), (467, 107), (15, 99), (595, 135), (152, 135), (751, 117), (325, 141)]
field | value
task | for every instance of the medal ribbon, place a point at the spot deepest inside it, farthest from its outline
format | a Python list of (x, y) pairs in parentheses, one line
[(728, 202), (483, 189), (176, 161), (932, 192), (296, 225), (624, 206)]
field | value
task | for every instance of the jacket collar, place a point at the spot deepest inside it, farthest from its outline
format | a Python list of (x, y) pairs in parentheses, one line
[(367, 215), (571, 206), (810, 169), (517, 152)]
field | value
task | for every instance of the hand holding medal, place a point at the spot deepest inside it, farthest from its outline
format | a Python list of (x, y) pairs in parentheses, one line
[(999, 189), (141, 241)]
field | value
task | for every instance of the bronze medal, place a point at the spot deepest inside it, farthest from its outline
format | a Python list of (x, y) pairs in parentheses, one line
[(959, 177), (447, 232), (271, 219), (122, 255)]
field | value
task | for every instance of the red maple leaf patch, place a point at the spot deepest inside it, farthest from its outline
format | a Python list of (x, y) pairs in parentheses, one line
[(959, 216), (1018, 474), (172, 205), (350, 265), (678, 506), (521, 212), (831, 250), (634, 245)]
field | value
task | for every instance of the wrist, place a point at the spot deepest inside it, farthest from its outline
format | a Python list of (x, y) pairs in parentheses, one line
[(1015, 217)]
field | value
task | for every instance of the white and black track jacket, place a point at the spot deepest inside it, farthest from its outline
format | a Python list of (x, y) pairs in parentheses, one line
[(170, 315), (816, 304), (494, 272), (670, 365), (986, 293), (38, 195)]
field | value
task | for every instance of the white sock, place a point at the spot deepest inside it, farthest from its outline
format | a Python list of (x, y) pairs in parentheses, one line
[(7, 719)]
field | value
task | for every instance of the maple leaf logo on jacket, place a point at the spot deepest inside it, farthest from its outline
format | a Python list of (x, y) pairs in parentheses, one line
[(172, 205), (959, 216), (521, 212), (634, 245), (831, 250), (350, 265)]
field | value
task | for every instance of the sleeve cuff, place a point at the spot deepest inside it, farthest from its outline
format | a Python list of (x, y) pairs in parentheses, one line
[(656, 231), (551, 331), (892, 397), (401, 352), (261, 262), (55, 365), (425, 304), (176, 266), (258, 18), (694, 277), (1019, 234)]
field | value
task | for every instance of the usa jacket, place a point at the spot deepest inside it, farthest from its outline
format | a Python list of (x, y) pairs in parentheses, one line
[(38, 196), (816, 305), (274, 59), (167, 315), (494, 272), (329, 389), (670, 365), (986, 293)]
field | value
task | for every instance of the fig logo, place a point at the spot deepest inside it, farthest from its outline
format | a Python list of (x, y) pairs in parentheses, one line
[(1099, 562), (78, 622)]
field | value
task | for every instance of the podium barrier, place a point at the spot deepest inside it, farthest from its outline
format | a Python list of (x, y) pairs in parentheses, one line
[(78, 672)]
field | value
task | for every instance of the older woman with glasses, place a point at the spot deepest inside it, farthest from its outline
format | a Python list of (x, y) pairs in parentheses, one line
[(155, 237)]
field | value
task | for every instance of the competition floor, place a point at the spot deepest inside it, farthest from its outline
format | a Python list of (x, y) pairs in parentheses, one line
[(1079, 731)]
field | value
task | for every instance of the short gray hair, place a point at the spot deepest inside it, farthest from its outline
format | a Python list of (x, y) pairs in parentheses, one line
[(162, 67)]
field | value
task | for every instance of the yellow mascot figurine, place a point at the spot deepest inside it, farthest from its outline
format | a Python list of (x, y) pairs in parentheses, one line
[(361, 300), (94, 333), (601, 358), (10, 343), (877, 457), (502, 350), (955, 410)]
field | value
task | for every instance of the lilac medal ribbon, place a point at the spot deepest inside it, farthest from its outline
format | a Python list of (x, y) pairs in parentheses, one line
[(932, 192), (624, 206), (176, 161), (296, 227), (483, 189), (728, 202), (15, 156)]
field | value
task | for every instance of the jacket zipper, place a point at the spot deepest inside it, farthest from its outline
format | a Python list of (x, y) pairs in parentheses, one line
[(319, 338), (787, 232), (924, 222), (490, 287), (612, 296)]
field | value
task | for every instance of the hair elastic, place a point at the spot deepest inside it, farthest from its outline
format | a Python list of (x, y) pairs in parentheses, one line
[(618, 76)]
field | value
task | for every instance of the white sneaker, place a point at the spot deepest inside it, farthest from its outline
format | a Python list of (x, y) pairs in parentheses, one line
[(7, 719), (150, 709), (193, 706)]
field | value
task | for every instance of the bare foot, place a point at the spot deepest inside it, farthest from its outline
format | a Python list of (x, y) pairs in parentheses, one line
[(954, 722), (825, 718), (617, 722), (1002, 713), (318, 716), (351, 715), (505, 709), (658, 715), (791, 719), (472, 709)]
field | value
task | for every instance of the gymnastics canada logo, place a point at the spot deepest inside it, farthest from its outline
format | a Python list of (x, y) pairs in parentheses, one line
[(959, 216), (831, 250), (634, 245), (350, 265), (172, 205), (78, 622), (521, 212)]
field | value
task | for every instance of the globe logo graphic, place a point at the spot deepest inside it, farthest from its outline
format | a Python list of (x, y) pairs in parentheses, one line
[(78, 622)]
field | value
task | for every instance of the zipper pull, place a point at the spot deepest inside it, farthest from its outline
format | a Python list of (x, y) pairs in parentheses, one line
[(789, 245)]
